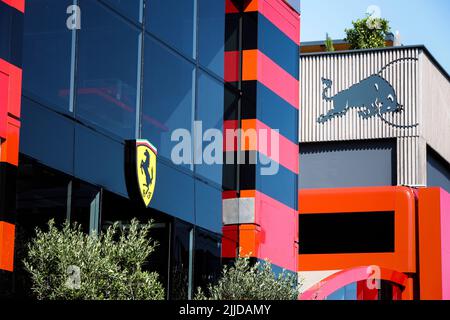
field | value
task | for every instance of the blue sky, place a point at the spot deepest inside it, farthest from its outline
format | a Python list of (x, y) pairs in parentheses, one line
[(419, 21)]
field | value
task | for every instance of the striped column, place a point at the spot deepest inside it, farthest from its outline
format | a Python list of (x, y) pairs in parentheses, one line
[(261, 60), (11, 22)]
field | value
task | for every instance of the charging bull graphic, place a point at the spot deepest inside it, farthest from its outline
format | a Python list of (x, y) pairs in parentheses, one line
[(374, 95), (140, 170)]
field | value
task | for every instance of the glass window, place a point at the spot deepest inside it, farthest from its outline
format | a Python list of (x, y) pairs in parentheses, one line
[(41, 196), (211, 43), (168, 96), (131, 8), (207, 260), (173, 184), (208, 207), (210, 113), (99, 160), (122, 210), (47, 136), (47, 46), (173, 22), (82, 204), (180, 261), (106, 90)]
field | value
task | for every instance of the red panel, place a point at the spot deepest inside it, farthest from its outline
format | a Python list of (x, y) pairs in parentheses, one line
[(230, 7), (10, 104), (364, 293), (7, 234), (4, 89), (10, 147), (401, 200), (231, 64), (18, 4), (230, 241)]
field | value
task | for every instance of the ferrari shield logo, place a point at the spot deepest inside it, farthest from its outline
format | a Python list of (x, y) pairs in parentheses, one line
[(146, 169), (140, 170)]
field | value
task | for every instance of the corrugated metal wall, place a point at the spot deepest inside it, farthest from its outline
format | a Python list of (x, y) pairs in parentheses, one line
[(345, 70), (348, 68), (435, 88)]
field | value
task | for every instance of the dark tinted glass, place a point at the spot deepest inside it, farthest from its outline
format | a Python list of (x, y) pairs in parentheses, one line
[(11, 34), (47, 136), (167, 105), (361, 232), (210, 112), (208, 207), (106, 90), (131, 8), (99, 160), (174, 193), (47, 52), (179, 283), (173, 22), (211, 42), (207, 260), (83, 197), (122, 210), (41, 196)]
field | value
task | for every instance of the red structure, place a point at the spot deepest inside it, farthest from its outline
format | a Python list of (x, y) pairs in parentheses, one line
[(10, 104), (414, 266)]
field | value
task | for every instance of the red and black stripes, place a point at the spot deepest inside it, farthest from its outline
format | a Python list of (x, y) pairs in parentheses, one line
[(262, 61), (11, 29)]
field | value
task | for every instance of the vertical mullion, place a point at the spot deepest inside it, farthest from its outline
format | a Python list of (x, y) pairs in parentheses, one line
[(191, 263)]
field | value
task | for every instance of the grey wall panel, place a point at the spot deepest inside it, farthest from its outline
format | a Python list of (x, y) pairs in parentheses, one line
[(411, 161), (347, 164), (435, 107), (438, 171)]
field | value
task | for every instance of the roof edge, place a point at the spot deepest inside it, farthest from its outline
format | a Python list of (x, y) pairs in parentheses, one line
[(420, 47)]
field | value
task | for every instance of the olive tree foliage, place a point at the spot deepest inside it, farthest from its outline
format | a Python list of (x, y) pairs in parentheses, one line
[(246, 281), (67, 264), (329, 46), (368, 33)]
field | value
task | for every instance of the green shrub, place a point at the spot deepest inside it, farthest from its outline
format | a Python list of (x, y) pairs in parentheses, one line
[(368, 33), (329, 46), (68, 264), (247, 281)]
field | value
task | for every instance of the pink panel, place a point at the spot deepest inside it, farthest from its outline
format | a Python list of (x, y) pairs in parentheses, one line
[(288, 151), (445, 244), (279, 233), (282, 16), (278, 80)]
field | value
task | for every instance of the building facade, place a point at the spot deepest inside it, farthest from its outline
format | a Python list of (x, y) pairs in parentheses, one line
[(98, 75), (374, 174)]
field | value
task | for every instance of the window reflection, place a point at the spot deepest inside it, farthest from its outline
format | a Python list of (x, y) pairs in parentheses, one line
[(179, 283), (41, 196), (47, 53), (106, 91), (173, 22), (131, 8), (207, 258), (167, 105), (210, 113), (211, 42)]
